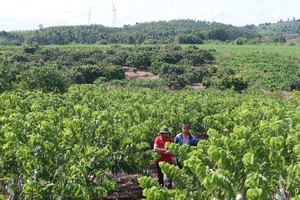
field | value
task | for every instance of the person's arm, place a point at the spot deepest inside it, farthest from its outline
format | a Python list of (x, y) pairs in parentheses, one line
[(176, 140), (193, 140), (161, 150)]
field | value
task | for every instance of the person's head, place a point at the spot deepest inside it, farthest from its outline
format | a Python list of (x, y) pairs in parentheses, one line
[(185, 128), (164, 131)]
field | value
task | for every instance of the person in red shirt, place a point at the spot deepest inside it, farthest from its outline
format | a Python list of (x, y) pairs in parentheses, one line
[(165, 154)]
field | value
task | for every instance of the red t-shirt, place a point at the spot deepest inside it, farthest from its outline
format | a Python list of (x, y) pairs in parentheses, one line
[(161, 144)]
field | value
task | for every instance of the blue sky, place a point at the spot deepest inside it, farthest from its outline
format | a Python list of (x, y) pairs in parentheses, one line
[(28, 14)]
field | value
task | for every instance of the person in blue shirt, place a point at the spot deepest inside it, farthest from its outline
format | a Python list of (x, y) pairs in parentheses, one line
[(185, 137)]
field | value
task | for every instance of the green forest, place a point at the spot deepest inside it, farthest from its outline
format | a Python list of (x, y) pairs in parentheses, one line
[(161, 32)]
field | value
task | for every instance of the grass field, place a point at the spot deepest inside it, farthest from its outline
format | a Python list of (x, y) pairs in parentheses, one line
[(281, 49)]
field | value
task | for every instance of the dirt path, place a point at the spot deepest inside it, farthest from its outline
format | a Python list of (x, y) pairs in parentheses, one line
[(128, 186)]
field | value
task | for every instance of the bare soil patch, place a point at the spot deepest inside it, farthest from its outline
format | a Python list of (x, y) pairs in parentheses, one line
[(142, 73), (128, 186), (284, 94), (197, 86)]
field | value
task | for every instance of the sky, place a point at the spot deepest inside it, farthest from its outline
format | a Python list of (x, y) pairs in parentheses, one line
[(18, 15)]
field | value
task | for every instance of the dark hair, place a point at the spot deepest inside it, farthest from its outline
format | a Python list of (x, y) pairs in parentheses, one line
[(185, 125)]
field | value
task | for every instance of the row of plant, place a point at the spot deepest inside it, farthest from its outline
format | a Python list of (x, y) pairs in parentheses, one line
[(253, 151), (272, 71), (68, 145)]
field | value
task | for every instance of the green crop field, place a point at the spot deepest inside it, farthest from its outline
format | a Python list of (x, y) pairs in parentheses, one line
[(280, 49), (66, 144)]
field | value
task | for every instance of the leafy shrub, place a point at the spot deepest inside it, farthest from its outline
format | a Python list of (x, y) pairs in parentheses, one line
[(49, 54), (207, 82), (223, 71), (173, 76), (164, 57), (195, 74), (232, 82), (185, 61), (46, 79), (171, 69), (295, 85), (212, 69), (189, 39), (100, 81), (21, 57), (74, 75), (138, 59), (118, 58), (30, 48), (7, 77), (217, 34), (241, 41), (92, 72), (175, 81), (113, 72), (160, 58), (198, 56)]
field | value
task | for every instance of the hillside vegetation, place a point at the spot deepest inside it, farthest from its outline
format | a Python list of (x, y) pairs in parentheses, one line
[(161, 32)]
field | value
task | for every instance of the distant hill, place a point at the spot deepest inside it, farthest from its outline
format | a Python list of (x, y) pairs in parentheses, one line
[(180, 31), (289, 29), (286, 28)]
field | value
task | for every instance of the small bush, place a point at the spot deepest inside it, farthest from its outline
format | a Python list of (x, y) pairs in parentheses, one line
[(92, 72), (241, 41), (207, 82), (173, 76), (100, 81), (232, 82), (46, 79), (295, 85)]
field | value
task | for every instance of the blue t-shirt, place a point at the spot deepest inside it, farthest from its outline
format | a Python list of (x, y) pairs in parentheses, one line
[(192, 140)]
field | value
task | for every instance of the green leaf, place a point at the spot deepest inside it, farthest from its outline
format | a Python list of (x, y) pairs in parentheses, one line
[(248, 159)]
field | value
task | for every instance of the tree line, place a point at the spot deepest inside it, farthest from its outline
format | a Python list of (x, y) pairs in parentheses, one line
[(161, 32)]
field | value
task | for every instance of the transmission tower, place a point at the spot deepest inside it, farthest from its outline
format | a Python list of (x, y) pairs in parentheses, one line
[(114, 15), (89, 17)]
